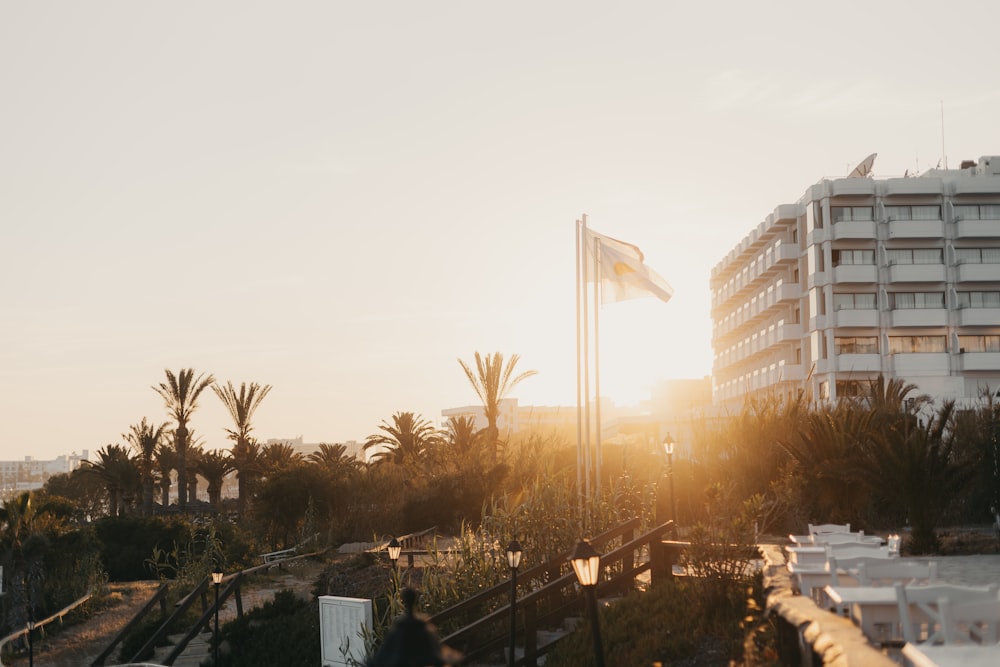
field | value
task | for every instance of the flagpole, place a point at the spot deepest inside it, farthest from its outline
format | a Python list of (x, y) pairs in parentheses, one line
[(586, 380), (597, 369), (580, 282)]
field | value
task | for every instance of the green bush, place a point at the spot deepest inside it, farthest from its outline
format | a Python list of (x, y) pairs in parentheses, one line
[(127, 542), (284, 631), (667, 624)]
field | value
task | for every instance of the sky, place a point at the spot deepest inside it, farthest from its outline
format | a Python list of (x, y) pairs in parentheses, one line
[(341, 200)]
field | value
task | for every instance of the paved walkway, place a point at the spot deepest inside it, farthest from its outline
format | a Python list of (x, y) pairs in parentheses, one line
[(969, 570)]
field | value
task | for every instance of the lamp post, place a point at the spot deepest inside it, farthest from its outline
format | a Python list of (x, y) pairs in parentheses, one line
[(394, 548), (587, 565), (668, 448), (216, 581), (513, 560)]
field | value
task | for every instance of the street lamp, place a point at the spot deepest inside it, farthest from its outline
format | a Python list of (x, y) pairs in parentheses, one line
[(216, 581), (394, 548), (587, 565), (513, 560), (668, 448)]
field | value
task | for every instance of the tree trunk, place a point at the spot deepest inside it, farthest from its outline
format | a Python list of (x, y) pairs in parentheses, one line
[(181, 444)]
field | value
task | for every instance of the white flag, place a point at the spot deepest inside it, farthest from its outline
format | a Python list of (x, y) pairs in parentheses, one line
[(621, 271)]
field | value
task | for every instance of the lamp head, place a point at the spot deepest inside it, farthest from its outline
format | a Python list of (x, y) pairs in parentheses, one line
[(217, 574), (514, 554), (586, 563), (668, 445), (394, 548)]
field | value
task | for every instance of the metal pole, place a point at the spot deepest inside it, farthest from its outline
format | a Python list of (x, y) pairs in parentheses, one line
[(595, 626), (31, 646), (673, 499), (216, 625), (513, 612)]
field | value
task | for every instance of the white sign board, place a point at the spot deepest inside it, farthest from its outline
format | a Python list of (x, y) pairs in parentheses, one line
[(341, 624)]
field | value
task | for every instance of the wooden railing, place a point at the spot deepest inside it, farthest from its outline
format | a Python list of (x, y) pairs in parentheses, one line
[(558, 598), (161, 597), (40, 624), (233, 589)]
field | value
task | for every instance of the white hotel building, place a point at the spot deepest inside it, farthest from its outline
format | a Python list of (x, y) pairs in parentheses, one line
[(861, 277)]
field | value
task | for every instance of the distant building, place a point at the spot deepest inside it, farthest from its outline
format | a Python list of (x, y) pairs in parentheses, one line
[(670, 409), (31, 474), (861, 277), (352, 447)]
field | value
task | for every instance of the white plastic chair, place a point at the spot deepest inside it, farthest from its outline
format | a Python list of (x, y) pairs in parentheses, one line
[(970, 622), (919, 607)]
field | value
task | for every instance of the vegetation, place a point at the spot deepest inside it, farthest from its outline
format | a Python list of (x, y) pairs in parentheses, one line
[(886, 460)]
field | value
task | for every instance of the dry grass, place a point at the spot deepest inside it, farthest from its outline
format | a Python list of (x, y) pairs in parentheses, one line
[(79, 644)]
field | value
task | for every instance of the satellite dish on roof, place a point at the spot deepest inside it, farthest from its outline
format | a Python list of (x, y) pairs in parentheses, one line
[(864, 169)]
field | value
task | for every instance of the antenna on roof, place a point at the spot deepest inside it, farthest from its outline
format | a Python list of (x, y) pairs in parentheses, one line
[(864, 169)]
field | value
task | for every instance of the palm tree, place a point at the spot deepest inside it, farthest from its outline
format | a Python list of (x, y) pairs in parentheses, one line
[(828, 448), (119, 475), (214, 466), (180, 393), (195, 452), (912, 467), (406, 440), (462, 445), (241, 407), (166, 461), (278, 456), (334, 459), (493, 380), (247, 464), (145, 439)]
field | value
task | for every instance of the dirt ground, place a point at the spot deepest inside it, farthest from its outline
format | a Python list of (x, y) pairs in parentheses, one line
[(79, 644)]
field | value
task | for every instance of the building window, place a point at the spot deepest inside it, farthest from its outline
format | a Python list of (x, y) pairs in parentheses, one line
[(979, 299), (849, 388), (916, 344), (847, 213), (977, 255), (854, 257), (977, 211), (915, 256), (978, 344), (855, 345), (912, 300), (852, 301), (913, 212)]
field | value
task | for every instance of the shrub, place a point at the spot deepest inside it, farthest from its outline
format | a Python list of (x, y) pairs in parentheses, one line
[(284, 631)]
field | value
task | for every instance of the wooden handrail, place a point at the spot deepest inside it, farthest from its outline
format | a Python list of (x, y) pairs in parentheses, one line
[(552, 591), (503, 589), (161, 592), (194, 629), (39, 624)]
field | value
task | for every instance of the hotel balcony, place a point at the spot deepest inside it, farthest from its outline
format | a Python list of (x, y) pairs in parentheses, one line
[(925, 363), (916, 273), (856, 318), (980, 361), (979, 273), (916, 229), (977, 229), (919, 317), (846, 363), (853, 229), (978, 317), (854, 273)]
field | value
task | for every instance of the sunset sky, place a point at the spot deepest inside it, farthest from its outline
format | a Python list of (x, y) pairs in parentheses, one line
[(341, 199)]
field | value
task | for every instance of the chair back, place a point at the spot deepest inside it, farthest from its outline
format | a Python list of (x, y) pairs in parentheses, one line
[(970, 622), (819, 528), (891, 570), (919, 607)]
